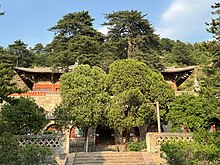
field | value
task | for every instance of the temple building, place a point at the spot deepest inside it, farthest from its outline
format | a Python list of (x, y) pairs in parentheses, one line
[(46, 79), (40, 79), (43, 85)]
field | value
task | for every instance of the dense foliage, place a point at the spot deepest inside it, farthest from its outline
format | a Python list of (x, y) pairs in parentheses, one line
[(192, 112), (18, 116), (204, 150), (119, 99), (214, 26), (23, 116), (211, 84), (84, 98), (22, 57), (75, 40), (133, 85), (7, 87), (133, 36), (137, 146), (130, 34), (11, 153)]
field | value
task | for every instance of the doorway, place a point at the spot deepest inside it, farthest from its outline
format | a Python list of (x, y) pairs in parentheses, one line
[(104, 136)]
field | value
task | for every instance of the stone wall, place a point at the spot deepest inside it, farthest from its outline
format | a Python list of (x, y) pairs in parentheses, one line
[(154, 140), (46, 100)]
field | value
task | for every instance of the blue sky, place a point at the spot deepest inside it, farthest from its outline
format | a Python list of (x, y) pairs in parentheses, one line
[(29, 20)]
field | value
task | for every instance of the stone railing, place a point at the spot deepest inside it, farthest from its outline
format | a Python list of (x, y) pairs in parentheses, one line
[(154, 140), (53, 141)]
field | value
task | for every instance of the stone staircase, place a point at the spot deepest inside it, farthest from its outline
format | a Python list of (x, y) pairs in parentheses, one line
[(108, 158)]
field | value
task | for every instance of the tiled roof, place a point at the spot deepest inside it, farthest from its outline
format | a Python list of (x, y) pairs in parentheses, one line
[(35, 70), (175, 70), (42, 69), (52, 70)]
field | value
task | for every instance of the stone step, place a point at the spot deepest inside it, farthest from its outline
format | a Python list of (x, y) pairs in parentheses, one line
[(109, 158), (70, 159), (107, 153), (110, 163), (115, 163)]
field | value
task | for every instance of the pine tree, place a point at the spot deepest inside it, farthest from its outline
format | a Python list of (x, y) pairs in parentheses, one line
[(133, 36), (214, 26)]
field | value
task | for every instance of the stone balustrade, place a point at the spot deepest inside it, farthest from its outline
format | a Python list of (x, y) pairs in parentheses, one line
[(54, 141), (154, 139)]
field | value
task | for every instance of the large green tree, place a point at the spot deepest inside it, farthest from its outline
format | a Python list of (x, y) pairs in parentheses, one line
[(133, 86), (133, 34), (84, 98), (72, 24), (74, 34), (22, 56)]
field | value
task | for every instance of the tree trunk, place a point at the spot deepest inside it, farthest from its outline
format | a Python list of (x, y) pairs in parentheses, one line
[(129, 43), (17, 63), (127, 139), (86, 142)]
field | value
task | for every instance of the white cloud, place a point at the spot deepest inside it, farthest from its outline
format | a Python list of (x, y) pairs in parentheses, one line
[(103, 30), (185, 19)]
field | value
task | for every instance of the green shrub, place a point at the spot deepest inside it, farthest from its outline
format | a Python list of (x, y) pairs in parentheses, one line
[(32, 155), (12, 153), (137, 146), (184, 153)]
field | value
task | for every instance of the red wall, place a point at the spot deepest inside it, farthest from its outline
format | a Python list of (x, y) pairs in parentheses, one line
[(46, 87)]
